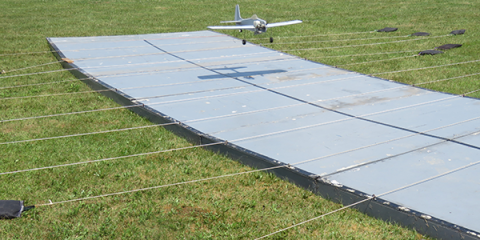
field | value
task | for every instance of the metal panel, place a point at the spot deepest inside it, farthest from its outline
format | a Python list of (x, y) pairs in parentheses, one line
[(361, 135)]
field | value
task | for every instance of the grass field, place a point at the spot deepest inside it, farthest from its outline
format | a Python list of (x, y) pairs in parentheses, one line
[(246, 206)]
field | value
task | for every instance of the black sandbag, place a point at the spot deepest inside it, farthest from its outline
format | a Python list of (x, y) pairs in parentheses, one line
[(12, 209), (458, 32), (448, 46), (429, 52), (420, 34), (388, 29)]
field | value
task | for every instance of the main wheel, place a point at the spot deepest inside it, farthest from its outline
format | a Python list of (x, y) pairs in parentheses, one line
[(271, 39), (244, 41)]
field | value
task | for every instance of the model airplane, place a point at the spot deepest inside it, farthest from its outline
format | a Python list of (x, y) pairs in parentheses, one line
[(254, 24)]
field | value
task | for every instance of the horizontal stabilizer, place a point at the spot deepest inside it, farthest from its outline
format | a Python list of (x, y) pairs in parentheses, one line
[(231, 21)]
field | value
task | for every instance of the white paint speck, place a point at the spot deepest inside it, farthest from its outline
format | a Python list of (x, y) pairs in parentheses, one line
[(336, 184), (425, 216), (404, 209), (207, 102)]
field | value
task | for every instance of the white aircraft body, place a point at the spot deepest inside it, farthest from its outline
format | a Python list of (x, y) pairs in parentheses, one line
[(254, 24)]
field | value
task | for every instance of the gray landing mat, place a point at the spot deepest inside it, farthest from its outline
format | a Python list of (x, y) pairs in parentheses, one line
[(363, 135)]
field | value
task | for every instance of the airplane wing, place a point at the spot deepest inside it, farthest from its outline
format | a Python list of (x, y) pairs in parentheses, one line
[(247, 27), (278, 24)]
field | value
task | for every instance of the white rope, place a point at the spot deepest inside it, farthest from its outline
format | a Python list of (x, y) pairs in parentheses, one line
[(70, 113), (318, 35), (315, 218), (222, 95), (388, 141), (365, 54), (45, 83), (373, 197), (241, 93), (284, 58), (58, 94), (241, 173), (24, 53), (264, 135), (163, 53), (338, 40), (150, 86), (37, 73), (381, 60), (89, 133), (258, 170), (445, 79), (344, 119), (414, 69), (107, 48), (156, 187), (237, 114), (359, 45), (39, 65), (112, 158)]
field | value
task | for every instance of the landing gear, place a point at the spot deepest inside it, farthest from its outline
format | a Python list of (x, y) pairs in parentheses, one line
[(244, 41), (271, 39), (240, 30)]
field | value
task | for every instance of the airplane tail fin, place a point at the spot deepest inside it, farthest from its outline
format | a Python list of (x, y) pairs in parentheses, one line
[(237, 13)]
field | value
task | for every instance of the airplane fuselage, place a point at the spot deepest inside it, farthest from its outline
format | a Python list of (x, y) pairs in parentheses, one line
[(259, 24)]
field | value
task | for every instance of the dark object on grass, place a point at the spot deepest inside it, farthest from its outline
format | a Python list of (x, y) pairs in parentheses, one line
[(387, 29), (429, 52), (448, 46), (420, 34), (458, 32), (12, 208)]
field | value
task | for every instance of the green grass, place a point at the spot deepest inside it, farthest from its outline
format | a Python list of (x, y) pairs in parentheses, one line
[(246, 206)]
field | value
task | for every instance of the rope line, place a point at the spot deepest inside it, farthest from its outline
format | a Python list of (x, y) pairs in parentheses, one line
[(37, 73), (381, 60), (156, 187), (89, 133), (222, 95), (150, 86), (275, 59), (422, 68), (315, 218), (107, 48), (280, 132), (366, 54), (340, 40), (70, 113), (25, 53), (45, 83), (112, 158), (39, 65), (373, 197), (319, 35), (258, 170), (388, 141), (153, 54), (359, 45)]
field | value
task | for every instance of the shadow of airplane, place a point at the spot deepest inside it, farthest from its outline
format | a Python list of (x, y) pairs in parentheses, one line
[(235, 74)]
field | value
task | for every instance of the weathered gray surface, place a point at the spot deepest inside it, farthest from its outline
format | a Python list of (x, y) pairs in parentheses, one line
[(368, 134)]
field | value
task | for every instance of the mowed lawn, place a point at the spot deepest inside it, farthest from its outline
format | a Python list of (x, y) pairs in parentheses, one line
[(241, 207)]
